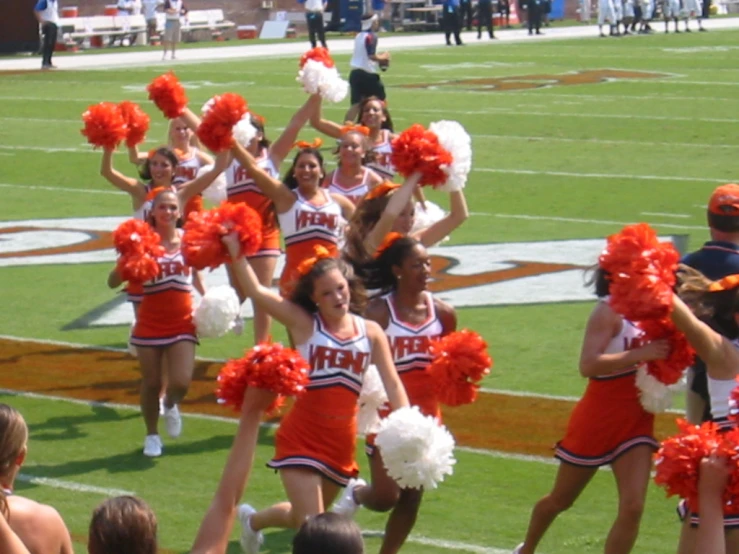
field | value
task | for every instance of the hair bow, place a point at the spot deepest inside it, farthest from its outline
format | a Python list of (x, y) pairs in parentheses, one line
[(258, 119), (355, 128), (319, 253), (381, 190), (726, 283), (303, 144), (389, 240)]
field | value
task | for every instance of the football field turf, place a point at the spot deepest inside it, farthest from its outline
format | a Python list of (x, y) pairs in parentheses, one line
[(572, 139)]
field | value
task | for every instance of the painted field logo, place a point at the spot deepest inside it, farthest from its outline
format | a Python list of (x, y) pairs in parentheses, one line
[(464, 275), (524, 82)]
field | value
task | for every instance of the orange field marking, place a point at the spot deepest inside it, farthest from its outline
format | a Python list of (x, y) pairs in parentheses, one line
[(516, 424)]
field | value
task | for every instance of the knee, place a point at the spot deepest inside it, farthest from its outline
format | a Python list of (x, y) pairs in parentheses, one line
[(631, 509), (557, 503), (384, 501)]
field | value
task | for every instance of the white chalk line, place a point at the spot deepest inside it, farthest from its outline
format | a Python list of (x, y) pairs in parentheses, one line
[(664, 214), (600, 175), (444, 544), (594, 221), (60, 189), (72, 486)]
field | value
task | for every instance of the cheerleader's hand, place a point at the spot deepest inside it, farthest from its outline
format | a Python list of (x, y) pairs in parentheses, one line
[(714, 475), (257, 400), (231, 242), (655, 350)]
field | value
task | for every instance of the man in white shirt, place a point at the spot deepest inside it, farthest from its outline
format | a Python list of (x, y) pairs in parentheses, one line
[(150, 14), (47, 13), (314, 16), (364, 80)]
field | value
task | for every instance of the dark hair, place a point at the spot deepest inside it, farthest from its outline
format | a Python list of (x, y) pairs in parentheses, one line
[(123, 525), (328, 533), (151, 219), (378, 274), (717, 309), (289, 179), (365, 217), (258, 124), (728, 223), (303, 291), (388, 123), (597, 277), (145, 171)]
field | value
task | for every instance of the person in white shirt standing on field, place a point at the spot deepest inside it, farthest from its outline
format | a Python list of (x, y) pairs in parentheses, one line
[(47, 13), (174, 9), (364, 80), (314, 17), (694, 8), (150, 14)]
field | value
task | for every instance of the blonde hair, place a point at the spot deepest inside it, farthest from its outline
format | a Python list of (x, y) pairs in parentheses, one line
[(13, 437)]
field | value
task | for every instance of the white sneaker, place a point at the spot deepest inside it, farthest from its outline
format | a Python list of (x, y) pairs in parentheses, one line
[(251, 540), (173, 421), (238, 327), (346, 505), (517, 550), (152, 446)]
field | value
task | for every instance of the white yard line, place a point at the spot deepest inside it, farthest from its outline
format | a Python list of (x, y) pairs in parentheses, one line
[(72, 486), (600, 175), (444, 544), (59, 189), (596, 221), (663, 214)]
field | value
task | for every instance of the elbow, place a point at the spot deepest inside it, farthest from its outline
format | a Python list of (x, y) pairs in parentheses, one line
[(587, 368)]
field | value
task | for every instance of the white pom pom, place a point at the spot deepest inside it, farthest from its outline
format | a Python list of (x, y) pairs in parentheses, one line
[(655, 396), (457, 141), (217, 312), (244, 132), (425, 215), (371, 398), (316, 78), (416, 449), (216, 191)]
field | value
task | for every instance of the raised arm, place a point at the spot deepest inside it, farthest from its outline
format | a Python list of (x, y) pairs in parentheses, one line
[(281, 147), (713, 477), (458, 214), (281, 196), (323, 125), (383, 359), (397, 203), (135, 188), (296, 319), (603, 325), (190, 119), (134, 156), (199, 184)]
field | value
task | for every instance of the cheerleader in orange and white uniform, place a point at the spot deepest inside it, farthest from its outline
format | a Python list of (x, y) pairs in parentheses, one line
[(352, 178), (309, 216), (164, 334), (608, 426), (411, 317), (315, 445)]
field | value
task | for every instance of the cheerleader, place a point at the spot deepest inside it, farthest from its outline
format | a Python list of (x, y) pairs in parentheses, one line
[(241, 187), (315, 444), (717, 304), (608, 426), (352, 178), (9, 541), (411, 317), (164, 333), (308, 215)]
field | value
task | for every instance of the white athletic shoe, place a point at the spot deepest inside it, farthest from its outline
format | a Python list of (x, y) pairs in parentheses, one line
[(238, 327), (517, 550), (152, 446), (173, 421), (346, 505), (251, 540)]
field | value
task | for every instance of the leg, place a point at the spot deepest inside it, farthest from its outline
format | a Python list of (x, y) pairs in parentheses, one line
[(570, 482), (150, 359), (401, 520), (491, 25), (631, 471), (447, 28), (264, 267), (180, 358), (457, 29), (311, 29), (321, 30), (52, 41), (383, 493), (688, 535)]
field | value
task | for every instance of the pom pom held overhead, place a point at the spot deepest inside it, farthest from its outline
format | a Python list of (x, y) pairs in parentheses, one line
[(137, 121), (168, 94), (105, 126), (418, 150), (224, 112)]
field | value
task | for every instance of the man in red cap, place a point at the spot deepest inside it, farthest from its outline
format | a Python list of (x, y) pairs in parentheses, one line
[(717, 258)]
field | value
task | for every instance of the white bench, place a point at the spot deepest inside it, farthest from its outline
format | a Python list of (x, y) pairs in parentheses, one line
[(211, 21), (77, 29)]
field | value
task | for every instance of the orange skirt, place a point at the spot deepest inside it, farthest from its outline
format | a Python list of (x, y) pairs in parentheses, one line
[(608, 421), (311, 440)]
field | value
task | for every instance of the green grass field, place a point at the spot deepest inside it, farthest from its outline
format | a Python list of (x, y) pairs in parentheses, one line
[(551, 163)]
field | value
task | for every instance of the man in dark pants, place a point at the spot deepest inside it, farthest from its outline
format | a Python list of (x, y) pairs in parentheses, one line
[(485, 16), (451, 22), (314, 18), (533, 15), (717, 258), (47, 13), (504, 8), (465, 13)]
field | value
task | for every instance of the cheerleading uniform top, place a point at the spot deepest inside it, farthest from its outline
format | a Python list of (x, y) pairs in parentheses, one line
[(304, 226), (320, 431), (383, 150), (165, 314), (354, 193), (187, 170), (242, 188), (609, 419)]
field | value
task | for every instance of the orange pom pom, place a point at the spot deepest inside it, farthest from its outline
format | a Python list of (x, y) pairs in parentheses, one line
[(641, 270), (104, 125), (138, 246), (671, 369), (216, 129), (417, 149), (201, 243), (460, 362), (137, 121), (168, 95), (266, 366), (319, 54)]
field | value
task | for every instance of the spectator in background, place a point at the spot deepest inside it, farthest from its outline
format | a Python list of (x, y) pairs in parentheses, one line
[(47, 13), (465, 14), (127, 7), (174, 9), (485, 17), (533, 15), (452, 24), (504, 8), (364, 80), (150, 14), (545, 7), (314, 17)]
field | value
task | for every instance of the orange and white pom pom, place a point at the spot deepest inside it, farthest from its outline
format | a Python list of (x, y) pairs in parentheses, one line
[(454, 139), (417, 450), (168, 94), (105, 125), (318, 75), (418, 150), (223, 113), (138, 247), (217, 312)]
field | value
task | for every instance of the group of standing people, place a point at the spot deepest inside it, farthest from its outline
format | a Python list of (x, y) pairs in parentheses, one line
[(635, 16)]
